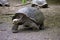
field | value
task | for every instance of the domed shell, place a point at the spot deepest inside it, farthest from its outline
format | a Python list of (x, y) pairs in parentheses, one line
[(33, 13), (39, 2)]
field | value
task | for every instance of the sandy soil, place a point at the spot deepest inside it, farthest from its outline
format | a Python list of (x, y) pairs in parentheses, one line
[(51, 31)]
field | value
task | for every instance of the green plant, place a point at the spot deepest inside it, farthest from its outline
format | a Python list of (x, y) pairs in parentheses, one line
[(24, 1)]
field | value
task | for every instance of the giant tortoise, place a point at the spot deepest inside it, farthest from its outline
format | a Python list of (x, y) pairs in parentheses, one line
[(4, 3), (40, 3), (29, 17)]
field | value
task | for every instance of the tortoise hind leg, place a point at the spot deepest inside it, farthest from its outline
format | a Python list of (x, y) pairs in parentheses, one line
[(41, 26)]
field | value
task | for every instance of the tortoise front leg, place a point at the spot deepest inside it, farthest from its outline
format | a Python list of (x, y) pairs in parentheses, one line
[(15, 28)]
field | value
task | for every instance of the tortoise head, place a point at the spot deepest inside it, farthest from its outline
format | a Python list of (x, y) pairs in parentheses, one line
[(19, 18)]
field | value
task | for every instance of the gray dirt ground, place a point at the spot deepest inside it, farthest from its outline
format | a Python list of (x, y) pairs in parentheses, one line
[(51, 31)]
